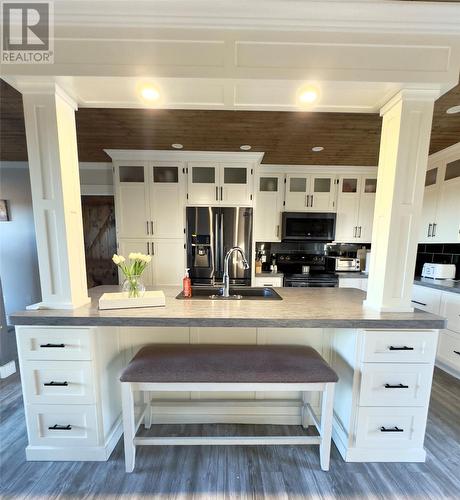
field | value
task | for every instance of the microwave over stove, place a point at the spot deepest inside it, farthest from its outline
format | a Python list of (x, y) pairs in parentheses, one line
[(308, 226)]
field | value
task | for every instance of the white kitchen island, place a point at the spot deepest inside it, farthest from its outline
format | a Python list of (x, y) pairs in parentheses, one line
[(71, 359)]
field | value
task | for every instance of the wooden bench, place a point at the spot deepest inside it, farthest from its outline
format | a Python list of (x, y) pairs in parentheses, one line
[(204, 367)]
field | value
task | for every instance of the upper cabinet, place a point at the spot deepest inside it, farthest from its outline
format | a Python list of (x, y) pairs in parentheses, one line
[(149, 200), (355, 208), (440, 221), (310, 193), (269, 205), (226, 184)]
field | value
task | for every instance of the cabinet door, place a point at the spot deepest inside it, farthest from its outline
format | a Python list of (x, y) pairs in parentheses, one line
[(167, 201), (269, 205), (203, 187), (322, 193), (347, 209), (132, 203), (297, 193), (125, 247), (235, 184), (430, 200), (366, 209), (168, 263), (447, 228)]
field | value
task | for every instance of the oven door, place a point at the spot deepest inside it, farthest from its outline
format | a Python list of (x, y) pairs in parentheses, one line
[(299, 226)]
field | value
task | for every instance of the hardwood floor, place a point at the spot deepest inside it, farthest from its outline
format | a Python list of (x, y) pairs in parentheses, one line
[(234, 472)]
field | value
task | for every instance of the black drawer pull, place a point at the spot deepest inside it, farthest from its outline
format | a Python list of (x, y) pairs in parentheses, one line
[(457, 352), (394, 429), (56, 384), (403, 348), (397, 386), (417, 302), (57, 427), (52, 345)]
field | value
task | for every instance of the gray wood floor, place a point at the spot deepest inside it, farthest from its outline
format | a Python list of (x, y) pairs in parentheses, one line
[(235, 472)]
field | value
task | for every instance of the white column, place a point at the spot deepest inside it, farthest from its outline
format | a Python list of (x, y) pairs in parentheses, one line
[(53, 164), (403, 160)]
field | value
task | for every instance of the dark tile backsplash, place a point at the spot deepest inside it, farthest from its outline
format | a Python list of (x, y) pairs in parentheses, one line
[(438, 253)]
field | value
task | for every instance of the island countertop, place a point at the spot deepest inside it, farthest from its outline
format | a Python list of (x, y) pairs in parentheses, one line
[(300, 308)]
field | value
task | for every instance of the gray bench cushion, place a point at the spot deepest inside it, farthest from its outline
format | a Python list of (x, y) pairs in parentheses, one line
[(228, 363)]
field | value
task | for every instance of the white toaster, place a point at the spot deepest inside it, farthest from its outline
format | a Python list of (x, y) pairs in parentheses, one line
[(438, 271)]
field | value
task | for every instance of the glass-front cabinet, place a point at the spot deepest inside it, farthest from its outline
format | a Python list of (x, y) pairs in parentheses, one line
[(219, 184), (269, 206), (310, 193)]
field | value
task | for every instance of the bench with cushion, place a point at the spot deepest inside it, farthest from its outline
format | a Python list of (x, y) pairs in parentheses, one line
[(204, 367)]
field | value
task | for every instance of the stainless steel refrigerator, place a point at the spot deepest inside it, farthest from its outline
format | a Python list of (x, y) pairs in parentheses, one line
[(211, 232)]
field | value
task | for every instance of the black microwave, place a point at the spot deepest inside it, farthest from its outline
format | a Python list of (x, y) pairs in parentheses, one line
[(306, 226)]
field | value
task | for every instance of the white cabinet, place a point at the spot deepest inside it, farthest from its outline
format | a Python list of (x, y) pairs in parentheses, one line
[(426, 298), (310, 193), (359, 283), (355, 208), (149, 200), (269, 205), (440, 221), (450, 308), (168, 260), (219, 183), (273, 281), (131, 200)]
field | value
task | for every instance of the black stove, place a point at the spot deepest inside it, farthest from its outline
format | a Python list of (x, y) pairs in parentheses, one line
[(292, 266)]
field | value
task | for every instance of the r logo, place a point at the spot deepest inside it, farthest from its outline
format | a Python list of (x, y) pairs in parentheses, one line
[(26, 26)]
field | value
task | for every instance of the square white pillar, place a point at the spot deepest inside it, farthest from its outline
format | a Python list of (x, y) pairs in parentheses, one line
[(404, 147), (53, 163)]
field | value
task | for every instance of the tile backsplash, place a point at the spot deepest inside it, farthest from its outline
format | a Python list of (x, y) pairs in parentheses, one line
[(440, 253)]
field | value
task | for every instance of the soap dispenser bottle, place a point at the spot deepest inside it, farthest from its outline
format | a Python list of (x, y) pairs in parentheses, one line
[(187, 284)]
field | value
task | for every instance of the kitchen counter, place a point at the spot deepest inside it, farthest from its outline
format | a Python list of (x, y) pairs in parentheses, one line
[(443, 285), (300, 308)]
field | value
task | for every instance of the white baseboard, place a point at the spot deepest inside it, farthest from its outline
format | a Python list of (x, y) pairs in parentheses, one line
[(389, 455), (447, 368), (8, 369), (83, 454)]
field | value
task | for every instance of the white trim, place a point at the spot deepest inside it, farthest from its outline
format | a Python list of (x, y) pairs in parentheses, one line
[(227, 440), (272, 169), (447, 368), (95, 165), (224, 387), (7, 369), (166, 155), (411, 95), (97, 190), (451, 152)]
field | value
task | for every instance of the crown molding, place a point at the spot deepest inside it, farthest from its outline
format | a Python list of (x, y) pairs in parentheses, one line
[(167, 155), (427, 95), (450, 153)]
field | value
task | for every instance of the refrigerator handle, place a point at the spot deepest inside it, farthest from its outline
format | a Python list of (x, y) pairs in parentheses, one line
[(221, 243), (216, 245)]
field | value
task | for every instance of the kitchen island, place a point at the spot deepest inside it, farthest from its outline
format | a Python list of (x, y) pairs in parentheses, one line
[(71, 359)]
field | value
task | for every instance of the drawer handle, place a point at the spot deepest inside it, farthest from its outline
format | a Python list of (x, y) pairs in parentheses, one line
[(397, 386), (457, 352), (56, 384), (417, 302), (52, 345), (403, 348), (57, 427), (394, 429)]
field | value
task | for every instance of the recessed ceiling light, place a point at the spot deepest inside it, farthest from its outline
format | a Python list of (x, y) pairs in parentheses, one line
[(149, 93), (453, 110), (176, 145), (317, 149), (245, 147), (307, 95)]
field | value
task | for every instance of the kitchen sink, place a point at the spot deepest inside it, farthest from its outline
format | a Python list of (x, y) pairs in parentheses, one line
[(236, 293)]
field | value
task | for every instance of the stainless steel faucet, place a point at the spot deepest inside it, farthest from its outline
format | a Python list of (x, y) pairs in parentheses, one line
[(226, 278)]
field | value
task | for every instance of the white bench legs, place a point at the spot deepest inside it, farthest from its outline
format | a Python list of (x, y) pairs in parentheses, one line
[(131, 423)]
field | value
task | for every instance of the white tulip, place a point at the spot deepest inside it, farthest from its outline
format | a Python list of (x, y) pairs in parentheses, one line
[(122, 259), (132, 256), (148, 258), (116, 259)]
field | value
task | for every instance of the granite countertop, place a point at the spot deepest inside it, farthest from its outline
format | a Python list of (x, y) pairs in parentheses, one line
[(300, 308), (443, 285), (268, 274)]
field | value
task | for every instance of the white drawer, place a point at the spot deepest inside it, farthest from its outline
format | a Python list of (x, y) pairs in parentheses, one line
[(350, 283), (58, 382), (275, 282), (54, 343), (387, 428), (388, 384), (425, 298), (450, 308), (387, 346), (449, 349), (61, 425)]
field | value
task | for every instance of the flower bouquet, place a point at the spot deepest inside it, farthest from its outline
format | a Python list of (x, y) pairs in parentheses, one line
[(132, 286)]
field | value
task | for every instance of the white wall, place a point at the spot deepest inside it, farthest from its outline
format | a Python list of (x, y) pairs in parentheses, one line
[(18, 253)]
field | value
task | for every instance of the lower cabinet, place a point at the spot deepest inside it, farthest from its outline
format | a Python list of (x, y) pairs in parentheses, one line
[(168, 259), (272, 281), (360, 283), (448, 356)]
